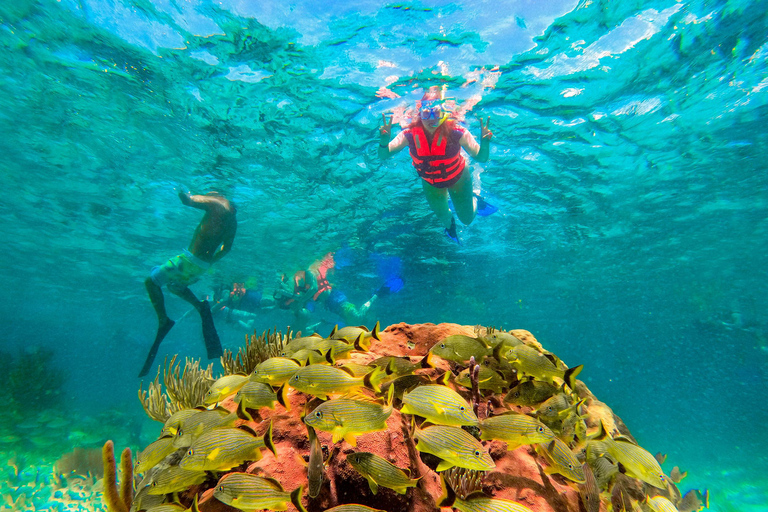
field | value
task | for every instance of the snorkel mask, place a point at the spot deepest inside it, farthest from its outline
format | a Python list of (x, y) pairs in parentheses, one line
[(432, 113)]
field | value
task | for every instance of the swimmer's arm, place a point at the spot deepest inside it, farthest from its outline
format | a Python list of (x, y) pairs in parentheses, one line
[(478, 151), (397, 144), (226, 245), (196, 201)]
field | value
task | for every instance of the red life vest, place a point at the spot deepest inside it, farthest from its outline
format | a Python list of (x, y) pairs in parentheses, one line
[(440, 163)]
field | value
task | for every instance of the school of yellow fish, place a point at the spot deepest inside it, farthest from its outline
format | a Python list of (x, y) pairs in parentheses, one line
[(538, 402)]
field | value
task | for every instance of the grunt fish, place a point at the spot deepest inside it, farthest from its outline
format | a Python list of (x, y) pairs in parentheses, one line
[(676, 475), (460, 348), (194, 426), (255, 395), (171, 425), (251, 492), (555, 407), (530, 392), (275, 371), (380, 472), (530, 362), (307, 356), (488, 378), (353, 507), (356, 333), (438, 404), (223, 387), (302, 343), (315, 465), (501, 338), (346, 418), (175, 479), (154, 453), (222, 449), (660, 504), (694, 501), (321, 380), (638, 462), (516, 429), (456, 447), (167, 507), (588, 491), (400, 366), (562, 460)]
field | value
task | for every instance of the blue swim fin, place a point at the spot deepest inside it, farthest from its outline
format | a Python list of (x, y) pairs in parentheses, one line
[(484, 208), (451, 232), (393, 285)]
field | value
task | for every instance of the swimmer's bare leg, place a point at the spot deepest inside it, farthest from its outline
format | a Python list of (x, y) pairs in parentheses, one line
[(211, 337), (165, 324)]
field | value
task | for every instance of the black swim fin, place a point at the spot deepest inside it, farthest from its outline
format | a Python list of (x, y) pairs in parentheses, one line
[(211, 337), (159, 337)]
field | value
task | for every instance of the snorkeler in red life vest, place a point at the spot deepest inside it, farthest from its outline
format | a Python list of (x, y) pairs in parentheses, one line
[(312, 286), (435, 144)]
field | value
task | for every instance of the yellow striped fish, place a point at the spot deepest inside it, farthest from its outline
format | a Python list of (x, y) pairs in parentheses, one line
[(154, 453), (194, 426), (224, 448), (167, 507), (175, 479), (530, 362), (338, 349), (661, 504), (399, 366), (305, 342), (602, 464), (321, 380), (380, 472), (516, 429), (251, 492), (307, 356), (488, 378), (255, 395), (638, 462), (346, 418), (460, 348), (361, 333), (455, 446), (476, 502), (275, 371), (562, 460), (530, 392), (553, 408), (438, 404), (171, 425), (501, 338), (223, 387)]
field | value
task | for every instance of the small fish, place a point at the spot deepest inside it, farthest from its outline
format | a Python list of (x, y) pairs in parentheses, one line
[(380, 472), (694, 501), (602, 464), (638, 462), (255, 395), (303, 343), (488, 378), (529, 361), (400, 366), (354, 333), (339, 349), (275, 371), (516, 429), (661, 457), (460, 348), (625, 493), (315, 467), (562, 460), (501, 338), (167, 507), (676, 475), (222, 449), (154, 453), (356, 369), (456, 447), (307, 356), (661, 504), (530, 393), (438, 404), (588, 491), (251, 492), (353, 507), (476, 501), (321, 380), (175, 479), (346, 418), (223, 387), (171, 425), (194, 426)]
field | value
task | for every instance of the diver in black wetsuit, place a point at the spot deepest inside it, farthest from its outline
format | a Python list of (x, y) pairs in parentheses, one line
[(211, 241)]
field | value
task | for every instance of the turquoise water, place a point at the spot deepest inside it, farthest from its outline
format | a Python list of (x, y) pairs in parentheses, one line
[(628, 165)]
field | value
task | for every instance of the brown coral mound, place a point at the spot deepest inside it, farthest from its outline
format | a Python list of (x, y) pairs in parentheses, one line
[(521, 475)]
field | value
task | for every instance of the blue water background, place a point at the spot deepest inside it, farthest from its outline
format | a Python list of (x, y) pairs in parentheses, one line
[(628, 165)]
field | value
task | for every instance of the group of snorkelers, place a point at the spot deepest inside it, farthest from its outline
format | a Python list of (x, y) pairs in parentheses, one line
[(434, 141)]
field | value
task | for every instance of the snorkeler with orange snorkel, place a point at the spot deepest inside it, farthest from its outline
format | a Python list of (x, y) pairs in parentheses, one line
[(435, 142)]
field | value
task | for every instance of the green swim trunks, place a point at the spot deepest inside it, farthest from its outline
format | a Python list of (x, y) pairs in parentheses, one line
[(179, 271)]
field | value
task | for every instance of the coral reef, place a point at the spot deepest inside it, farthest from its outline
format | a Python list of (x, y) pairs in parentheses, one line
[(256, 350), (558, 447), (183, 389)]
